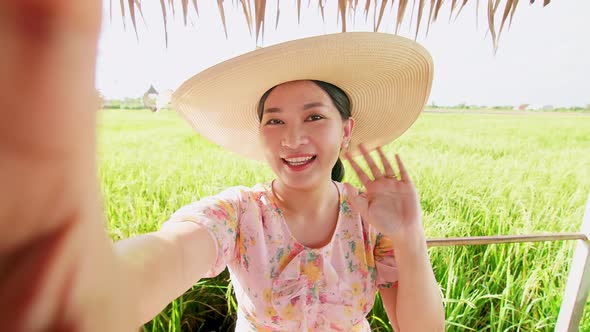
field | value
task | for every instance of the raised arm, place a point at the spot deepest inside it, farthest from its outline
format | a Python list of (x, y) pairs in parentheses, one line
[(392, 206), (416, 304)]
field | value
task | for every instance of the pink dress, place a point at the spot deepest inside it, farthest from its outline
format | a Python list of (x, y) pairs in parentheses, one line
[(282, 285)]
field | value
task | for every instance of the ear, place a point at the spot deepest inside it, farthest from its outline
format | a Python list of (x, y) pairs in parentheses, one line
[(348, 126)]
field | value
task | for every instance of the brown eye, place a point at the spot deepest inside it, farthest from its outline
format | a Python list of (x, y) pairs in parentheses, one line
[(274, 122), (315, 117)]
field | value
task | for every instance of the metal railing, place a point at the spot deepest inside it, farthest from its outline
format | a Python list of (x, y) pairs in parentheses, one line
[(578, 282)]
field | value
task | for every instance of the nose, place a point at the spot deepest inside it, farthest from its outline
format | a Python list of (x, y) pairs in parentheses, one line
[(294, 137)]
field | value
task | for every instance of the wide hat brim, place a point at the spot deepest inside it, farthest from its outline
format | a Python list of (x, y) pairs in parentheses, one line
[(387, 78)]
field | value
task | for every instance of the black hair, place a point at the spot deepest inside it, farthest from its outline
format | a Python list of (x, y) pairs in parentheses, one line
[(342, 104)]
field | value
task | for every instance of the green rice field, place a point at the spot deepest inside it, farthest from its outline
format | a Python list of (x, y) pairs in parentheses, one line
[(477, 174)]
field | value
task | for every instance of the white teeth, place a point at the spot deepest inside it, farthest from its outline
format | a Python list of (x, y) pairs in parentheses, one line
[(298, 161)]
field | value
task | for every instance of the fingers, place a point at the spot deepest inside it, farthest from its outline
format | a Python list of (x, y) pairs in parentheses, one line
[(402, 170), (386, 165), (376, 172), (363, 177), (374, 169), (388, 170)]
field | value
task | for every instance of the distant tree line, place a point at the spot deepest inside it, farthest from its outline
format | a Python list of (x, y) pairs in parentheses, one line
[(126, 103), (137, 103)]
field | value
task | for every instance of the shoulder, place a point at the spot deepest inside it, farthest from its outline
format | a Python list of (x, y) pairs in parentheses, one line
[(238, 193), (232, 200)]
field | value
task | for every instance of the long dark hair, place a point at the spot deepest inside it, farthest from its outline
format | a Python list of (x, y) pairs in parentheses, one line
[(342, 103)]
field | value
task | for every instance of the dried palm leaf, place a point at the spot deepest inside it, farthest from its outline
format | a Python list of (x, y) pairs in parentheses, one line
[(279, 14), (133, 6), (401, 9), (496, 4), (505, 16), (459, 11), (437, 8), (454, 5), (163, 5), (381, 11), (420, 10), (184, 10), (343, 7), (512, 11), (321, 4), (342, 10), (222, 13), (477, 14), (138, 6), (259, 12), (132, 14), (248, 13), (171, 4), (491, 22), (432, 5), (123, 12), (367, 6)]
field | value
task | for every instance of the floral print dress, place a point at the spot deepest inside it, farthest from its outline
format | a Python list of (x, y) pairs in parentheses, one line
[(282, 285)]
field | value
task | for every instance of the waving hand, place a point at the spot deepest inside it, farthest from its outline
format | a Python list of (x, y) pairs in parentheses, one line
[(390, 203)]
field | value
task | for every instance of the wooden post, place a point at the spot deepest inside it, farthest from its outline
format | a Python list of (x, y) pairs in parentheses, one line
[(578, 282)]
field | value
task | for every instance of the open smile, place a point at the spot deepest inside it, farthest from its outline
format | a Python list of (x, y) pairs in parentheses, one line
[(299, 163)]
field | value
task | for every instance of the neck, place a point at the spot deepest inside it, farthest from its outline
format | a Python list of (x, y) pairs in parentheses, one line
[(304, 201)]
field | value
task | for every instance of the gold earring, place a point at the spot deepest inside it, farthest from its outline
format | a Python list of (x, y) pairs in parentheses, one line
[(345, 146)]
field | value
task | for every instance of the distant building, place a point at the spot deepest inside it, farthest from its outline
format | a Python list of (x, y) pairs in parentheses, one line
[(534, 107), (149, 98)]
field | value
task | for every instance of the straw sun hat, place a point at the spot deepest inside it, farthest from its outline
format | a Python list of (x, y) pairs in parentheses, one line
[(387, 78)]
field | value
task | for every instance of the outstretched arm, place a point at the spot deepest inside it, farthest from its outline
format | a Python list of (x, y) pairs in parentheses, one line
[(58, 271), (164, 264)]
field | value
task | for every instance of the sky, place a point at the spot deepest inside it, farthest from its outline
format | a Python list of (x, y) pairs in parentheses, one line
[(543, 59)]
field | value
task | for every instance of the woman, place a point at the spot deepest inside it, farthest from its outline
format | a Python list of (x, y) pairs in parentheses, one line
[(286, 277), (59, 272)]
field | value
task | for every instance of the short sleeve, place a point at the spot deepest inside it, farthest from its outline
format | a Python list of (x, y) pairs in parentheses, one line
[(219, 215), (385, 262)]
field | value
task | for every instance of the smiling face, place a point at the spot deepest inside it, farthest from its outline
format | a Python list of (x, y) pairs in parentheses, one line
[(302, 133)]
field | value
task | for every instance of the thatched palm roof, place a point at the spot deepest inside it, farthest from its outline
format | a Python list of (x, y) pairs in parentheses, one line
[(255, 11)]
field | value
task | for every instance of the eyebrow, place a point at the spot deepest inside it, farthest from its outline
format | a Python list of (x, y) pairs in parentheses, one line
[(305, 107)]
